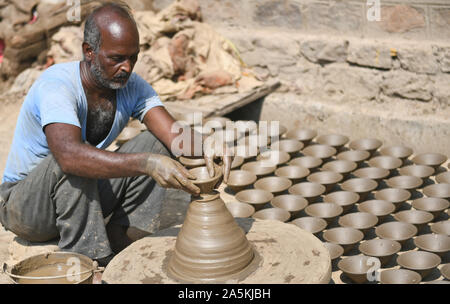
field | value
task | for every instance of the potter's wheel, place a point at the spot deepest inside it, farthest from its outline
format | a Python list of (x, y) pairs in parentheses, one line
[(288, 255)]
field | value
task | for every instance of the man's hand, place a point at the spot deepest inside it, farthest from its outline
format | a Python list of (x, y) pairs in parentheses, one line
[(169, 173), (214, 147)]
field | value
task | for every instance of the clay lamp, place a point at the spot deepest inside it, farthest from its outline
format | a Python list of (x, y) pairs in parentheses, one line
[(291, 146), (356, 267), (406, 182), (399, 276), (362, 186), (445, 271), (343, 167), (217, 122), (304, 135), (246, 152), (258, 168), (127, 134), (435, 243), (393, 195), (274, 184), (345, 199), (335, 250), (443, 178), (400, 152), (356, 156), (327, 178), (365, 144), (294, 204), (240, 179), (385, 162), (238, 209), (438, 191), (362, 221), (422, 262), (419, 171), (237, 162), (323, 152), (255, 197), (382, 249), (309, 162), (192, 162), (396, 231), (327, 211), (310, 191), (377, 174), (336, 141), (273, 157), (379, 208), (276, 214), (431, 204), (314, 225), (433, 160), (204, 181), (416, 217), (442, 227), (347, 237), (294, 173)]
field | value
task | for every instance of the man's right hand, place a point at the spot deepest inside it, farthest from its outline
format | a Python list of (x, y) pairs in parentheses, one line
[(169, 173)]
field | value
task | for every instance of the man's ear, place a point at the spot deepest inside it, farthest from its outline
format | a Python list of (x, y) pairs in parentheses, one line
[(88, 52)]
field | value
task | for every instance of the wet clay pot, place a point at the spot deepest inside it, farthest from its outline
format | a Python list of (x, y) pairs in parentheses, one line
[(347, 237), (442, 227), (294, 173), (385, 162), (365, 144), (443, 178), (438, 191), (258, 168), (419, 171), (433, 160), (309, 162), (399, 276), (336, 141), (356, 156), (315, 225), (238, 209), (362, 221), (323, 152), (255, 197), (335, 250), (273, 157), (237, 162), (327, 178), (431, 204), (192, 162), (393, 195), (421, 262), (356, 267), (377, 174), (406, 182), (435, 243), (291, 146), (382, 249), (239, 180), (379, 208), (416, 217), (362, 186), (310, 191), (204, 181), (210, 246), (294, 204), (343, 167), (345, 199), (327, 211), (400, 152), (304, 135), (276, 214), (396, 231), (445, 271), (274, 184)]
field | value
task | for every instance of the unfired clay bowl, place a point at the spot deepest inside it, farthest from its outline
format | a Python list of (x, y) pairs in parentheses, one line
[(377, 174), (393, 195), (276, 214), (240, 179), (379, 208), (310, 191), (343, 167), (356, 156), (443, 178), (304, 135), (399, 276), (437, 190), (431, 204), (237, 162), (435, 243), (442, 227), (401, 152), (255, 197), (274, 157), (363, 221), (258, 168), (445, 271), (309, 162), (345, 199), (336, 141), (382, 249), (273, 184), (327, 178), (362, 186), (291, 146), (335, 250), (356, 267), (430, 159), (290, 202), (416, 217), (404, 182), (422, 262), (366, 144), (323, 152), (192, 162), (417, 170), (347, 237), (204, 181), (385, 162), (396, 231), (294, 173), (238, 209), (326, 211), (314, 225)]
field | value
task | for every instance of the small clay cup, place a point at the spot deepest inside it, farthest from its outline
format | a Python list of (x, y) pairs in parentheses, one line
[(327, 178), (416, 217), (434, 205), (273, 157), (345, 199), (294, 173), (309, 162), (323, 152), (438, 191), (377, 174), (399, 276), (442, 227), (304, 135), (238, 209), (362, 221), (417, 170), (406, 182), (258, 168), (237, 162), (396, 231), (276, 214), (294, 204), (430, 159), (126, 134), (422, 262), (356, 267), (400, 152), (385, 162), (443, 178), (445, 271), (291, 146), (192, 162), (327, 211), (274, 184), (343, 167), (204, 181), (315, 225), (365, 144), (335, 250), (362, 186), (435, 243), (336, 141), (393, 195), (310, 191), (256, 197), (356, 156), (347, 237), (382, 249), (379, 208), (239, 180)]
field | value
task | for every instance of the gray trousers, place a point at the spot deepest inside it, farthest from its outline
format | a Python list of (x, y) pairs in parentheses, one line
[(49, 204)]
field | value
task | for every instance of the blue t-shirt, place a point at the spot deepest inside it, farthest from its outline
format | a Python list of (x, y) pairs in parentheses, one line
[(57, 96)]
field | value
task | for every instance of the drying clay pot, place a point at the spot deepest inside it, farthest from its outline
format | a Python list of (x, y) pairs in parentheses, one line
[(417, 170), (435, 243), (357, 267), (421, 262), (379, 208), (347, 237), (323, 152), (443, 178), (336, 141), (273, 184), (445, 270), (343, 167), (274, 158), (238, 209), (204, 181), (237, 162), (377, 174), (291, 146), (431, 204), (385, 162), (327, 178), (404, 182), (416, 217), (362, 186), (430, 159), (258, 168), (396, 231), (326, 211), (276, 214), (310, 191), (401, 152), (356, 156), (345, 199), (192, 162), (393, 195), (255, 197), (442, 227), (240, 179), (314, 225), (363, 221), (399, 276), (294, 204), (335, 250), (438, 191), (294, 173), (304, 135), (382, 249), (309, 162), (366, 144)]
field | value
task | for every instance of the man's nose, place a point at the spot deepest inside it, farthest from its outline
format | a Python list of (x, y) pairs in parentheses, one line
[(126, 66)]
